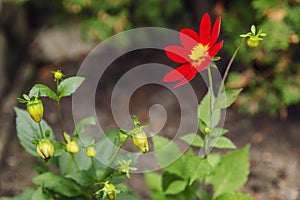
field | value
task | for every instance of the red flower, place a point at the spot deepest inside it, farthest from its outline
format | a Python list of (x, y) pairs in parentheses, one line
[(196, 52)]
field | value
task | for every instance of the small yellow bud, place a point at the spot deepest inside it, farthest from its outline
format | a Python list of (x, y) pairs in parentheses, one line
[(140, 140), (45, 149), (252, 43), (91, 152), (58, 75), (72, 147), (36, 109)]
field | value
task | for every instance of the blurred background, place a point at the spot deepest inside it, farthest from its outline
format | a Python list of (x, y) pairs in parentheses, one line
[(37, 37)]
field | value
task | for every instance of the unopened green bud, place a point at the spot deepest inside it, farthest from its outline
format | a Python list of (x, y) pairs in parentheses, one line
[(140, 140), (45, 149), (252, 43), (72, 147), (58, 75), (36, 109), (91, 152), (207, 130)]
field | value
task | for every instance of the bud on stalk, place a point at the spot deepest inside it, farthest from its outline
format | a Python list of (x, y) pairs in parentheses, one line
[(91, 152), (45, 149), (72, 147), (36, 109), (140, 140)]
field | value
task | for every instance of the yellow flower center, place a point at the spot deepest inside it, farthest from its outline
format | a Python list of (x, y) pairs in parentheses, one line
[(198, 52)]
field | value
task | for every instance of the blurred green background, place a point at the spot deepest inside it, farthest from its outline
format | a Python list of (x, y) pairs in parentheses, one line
[(269, 73)]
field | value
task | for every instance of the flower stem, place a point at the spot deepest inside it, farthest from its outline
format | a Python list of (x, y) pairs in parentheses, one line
[(41, 130), (108, 169), (211, 94), (61, 125), (74, 161), (93, 167), (229, 65), (60, 116)]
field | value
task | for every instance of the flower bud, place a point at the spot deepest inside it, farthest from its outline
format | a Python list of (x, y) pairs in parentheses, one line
[(72, 147), (124, 167), (91, 152), (45, 149), (36, 109), (58, 75), (139, 139), (109, 191), (252, 43)]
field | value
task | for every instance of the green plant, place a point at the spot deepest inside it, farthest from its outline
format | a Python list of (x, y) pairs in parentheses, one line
[(226, 173), (271, 72), (81, 174)]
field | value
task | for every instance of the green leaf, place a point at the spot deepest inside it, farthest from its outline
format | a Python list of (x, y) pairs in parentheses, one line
[(58, 184), (66, 164), (80, 127), (40, 195), (26, 194), (223, 143), (253, 29), (216, 132), (204, 113), (69, 86), (20, 100), (193, 139), (176, 187), (166, 151), (154, 182), (232, 172), (82, 177), (195, 168), (234, 196), (43, 91), (227, 98), (27, 129)]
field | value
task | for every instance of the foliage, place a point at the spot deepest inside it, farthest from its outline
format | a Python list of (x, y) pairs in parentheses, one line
[(271, 73), (226, 173), (81, 175)]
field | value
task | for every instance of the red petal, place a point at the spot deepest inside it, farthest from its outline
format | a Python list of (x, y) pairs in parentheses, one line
[(215, 49), (178, 73), (205, 27), (188, 38), (215, 32), (177, 54), (186, 79)]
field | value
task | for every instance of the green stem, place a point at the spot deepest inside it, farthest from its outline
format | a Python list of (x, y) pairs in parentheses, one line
[(229, 65), (108, 169), (93, 166), (61, 125), (60, 116), (211, 94), (41, 130), (74, 161)]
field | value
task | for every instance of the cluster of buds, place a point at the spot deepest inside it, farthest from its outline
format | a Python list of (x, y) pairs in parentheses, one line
[(254, 38), (109, 191)]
